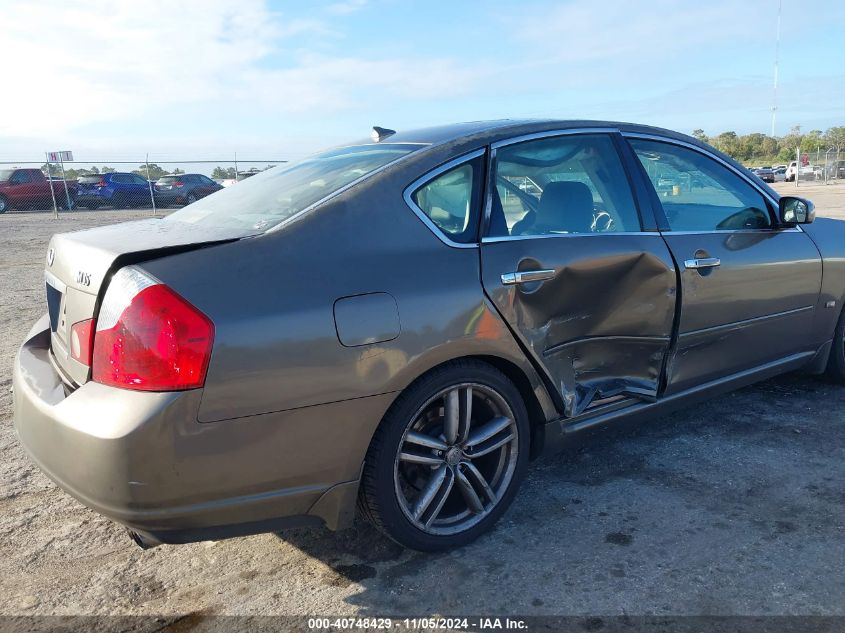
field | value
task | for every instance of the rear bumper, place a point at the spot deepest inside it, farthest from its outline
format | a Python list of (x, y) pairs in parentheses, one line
[(167, 197), (143, 460), (93, 197)]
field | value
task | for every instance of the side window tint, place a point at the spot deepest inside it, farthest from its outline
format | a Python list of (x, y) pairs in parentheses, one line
[(450, 201), (698, 193), (561, 185), (21, 177)]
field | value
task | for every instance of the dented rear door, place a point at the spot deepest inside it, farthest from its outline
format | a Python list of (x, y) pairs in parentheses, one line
[(566, 261)]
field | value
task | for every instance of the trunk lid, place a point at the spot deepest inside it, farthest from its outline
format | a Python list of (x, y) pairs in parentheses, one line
[(78, 264)]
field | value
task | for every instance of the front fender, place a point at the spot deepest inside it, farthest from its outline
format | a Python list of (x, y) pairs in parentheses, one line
[(829, 237)]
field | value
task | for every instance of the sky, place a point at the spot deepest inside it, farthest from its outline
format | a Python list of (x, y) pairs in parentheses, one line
[(275, 80)]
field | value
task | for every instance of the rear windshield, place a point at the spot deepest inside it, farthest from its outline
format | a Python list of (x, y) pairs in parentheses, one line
[(89, 180), (277, 194), (168, 179)]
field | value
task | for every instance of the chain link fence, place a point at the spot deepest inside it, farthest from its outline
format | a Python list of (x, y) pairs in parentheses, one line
[(31, 186), (823, 165)]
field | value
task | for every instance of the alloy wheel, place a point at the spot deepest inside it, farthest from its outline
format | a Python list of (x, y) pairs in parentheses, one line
[(456, 459)]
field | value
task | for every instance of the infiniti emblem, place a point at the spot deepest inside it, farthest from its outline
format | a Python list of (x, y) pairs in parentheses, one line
[(51, 255)]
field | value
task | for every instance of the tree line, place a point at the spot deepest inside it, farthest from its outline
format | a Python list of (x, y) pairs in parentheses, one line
[(155, 171), (761, 149)]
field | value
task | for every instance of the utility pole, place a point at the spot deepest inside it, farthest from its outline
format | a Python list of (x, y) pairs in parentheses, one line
[(777, 54)]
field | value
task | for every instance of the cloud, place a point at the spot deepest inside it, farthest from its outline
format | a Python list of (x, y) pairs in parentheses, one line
[(344, 8), (101, 61), (321, 84), (582, 31), (98, 70)]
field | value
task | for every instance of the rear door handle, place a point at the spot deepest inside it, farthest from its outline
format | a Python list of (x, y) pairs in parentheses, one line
[(704, 262), (526, 276)]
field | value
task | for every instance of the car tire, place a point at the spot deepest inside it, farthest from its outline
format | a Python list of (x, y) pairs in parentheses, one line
[(452, 488), (835, 371), (191, 198), (4, 204)]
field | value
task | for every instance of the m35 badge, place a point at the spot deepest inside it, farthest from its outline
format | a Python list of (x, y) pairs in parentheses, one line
[(83, 278)]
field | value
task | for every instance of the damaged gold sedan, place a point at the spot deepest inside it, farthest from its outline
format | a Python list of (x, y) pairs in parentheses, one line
[(401, 324)]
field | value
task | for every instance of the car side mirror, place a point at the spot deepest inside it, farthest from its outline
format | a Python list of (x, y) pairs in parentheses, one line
[(793, 210)]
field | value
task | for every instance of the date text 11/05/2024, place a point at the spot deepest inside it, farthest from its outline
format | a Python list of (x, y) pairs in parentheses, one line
[(414, 624)]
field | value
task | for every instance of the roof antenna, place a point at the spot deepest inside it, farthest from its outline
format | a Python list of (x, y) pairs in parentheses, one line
[(380, 133)]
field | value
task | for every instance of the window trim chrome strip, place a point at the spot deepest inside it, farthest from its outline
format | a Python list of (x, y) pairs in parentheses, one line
[(551, 133), (773, 229), (408, 192), (512, 238)]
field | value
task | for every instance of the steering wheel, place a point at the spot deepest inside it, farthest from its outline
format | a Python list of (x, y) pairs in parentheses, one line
[(747, 218), (602, 222)]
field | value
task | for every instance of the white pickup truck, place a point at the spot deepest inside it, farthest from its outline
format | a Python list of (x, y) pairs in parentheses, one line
[(805, 172)]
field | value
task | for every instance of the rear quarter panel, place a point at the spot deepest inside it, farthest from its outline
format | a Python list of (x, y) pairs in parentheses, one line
[(272, 297)]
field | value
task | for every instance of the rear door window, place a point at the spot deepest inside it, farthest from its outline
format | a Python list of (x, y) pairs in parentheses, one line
[(561, 185)]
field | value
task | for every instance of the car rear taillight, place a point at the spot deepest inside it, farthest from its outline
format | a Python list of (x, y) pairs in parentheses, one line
[(149, 338), (102, 183), (81, 337), (178, 183)]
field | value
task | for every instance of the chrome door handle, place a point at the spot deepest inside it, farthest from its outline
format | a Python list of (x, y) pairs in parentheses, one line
[(526, 276), (704, 262)]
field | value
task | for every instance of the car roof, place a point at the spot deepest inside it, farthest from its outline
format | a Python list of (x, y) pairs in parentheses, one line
[(460, 137), (491, 131)]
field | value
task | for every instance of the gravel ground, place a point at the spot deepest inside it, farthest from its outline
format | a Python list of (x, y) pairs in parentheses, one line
[(735, 506)]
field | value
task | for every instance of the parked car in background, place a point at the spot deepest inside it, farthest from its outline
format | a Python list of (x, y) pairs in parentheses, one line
[(118, 190), (29, 188), (766, 174), (399, 325), (791, 171), (183, 189), (780, 174)]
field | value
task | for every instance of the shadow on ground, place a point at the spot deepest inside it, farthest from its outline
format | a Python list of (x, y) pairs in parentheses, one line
[(733, 506)]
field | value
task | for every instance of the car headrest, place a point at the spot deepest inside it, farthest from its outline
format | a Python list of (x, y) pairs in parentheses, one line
[(565, 206)]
